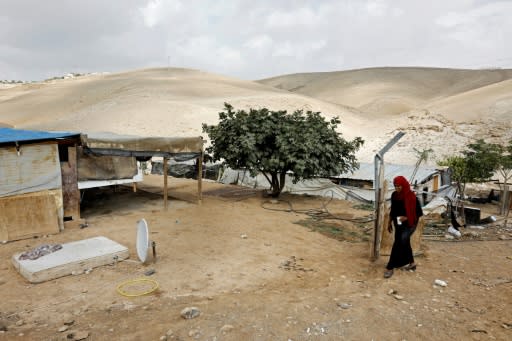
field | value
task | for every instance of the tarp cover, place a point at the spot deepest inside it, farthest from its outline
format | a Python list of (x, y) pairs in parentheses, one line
[(10, 135), (124, 145), (105, 167), (32, 168), (366, 171), (316, 186)]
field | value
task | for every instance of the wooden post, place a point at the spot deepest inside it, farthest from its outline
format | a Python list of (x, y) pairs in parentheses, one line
[(200, 179), (165, 182), (70, 191)]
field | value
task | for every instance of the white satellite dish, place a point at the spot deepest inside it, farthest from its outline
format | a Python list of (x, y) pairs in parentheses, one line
[(142, 240)]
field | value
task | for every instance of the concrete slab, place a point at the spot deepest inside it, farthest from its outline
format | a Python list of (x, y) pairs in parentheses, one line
[(74, 257)]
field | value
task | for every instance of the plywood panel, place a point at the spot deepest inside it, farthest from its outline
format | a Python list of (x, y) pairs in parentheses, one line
[(74, 257), (435, 185), (28, 215)]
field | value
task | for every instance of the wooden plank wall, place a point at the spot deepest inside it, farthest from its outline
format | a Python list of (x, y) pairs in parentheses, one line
[(33, 214), (30, 191)]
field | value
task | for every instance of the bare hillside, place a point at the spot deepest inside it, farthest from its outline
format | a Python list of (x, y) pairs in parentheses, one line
[(438, 109), (152, 102), (388, 90), (492, 102)]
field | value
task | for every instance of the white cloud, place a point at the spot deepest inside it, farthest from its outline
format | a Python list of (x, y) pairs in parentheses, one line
[(294, 18), (151, 13), (478, 28), (377, 8), (318, 45), (156, 11), (286, 49), (261, 41), (250, 39), (206, 53)]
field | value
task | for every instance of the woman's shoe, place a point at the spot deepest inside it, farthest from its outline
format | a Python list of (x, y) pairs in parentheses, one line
[(388, 273), (410, 267)]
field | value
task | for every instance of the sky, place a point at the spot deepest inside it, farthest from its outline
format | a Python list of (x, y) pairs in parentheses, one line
[(250, 39)]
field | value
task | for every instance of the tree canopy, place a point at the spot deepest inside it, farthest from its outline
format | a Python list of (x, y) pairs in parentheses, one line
[(479, 162), (274, 143)]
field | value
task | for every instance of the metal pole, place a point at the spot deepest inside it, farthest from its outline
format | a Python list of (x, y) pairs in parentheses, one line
[(379, 173), (165, 182), (200, 179)]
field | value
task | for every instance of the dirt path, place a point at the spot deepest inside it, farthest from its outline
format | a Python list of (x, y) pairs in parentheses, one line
[(255, 274)]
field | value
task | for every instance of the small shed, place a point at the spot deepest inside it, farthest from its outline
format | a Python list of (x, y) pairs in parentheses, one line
[(41, 173), (37, 182)]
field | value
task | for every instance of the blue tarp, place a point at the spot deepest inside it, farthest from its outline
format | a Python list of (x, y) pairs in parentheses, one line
[(10, 135)]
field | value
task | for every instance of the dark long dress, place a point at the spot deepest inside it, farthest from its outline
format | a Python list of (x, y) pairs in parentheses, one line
[(401, 252)]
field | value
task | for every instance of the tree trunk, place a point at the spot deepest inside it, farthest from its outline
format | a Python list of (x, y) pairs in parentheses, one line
[(282, 181), (277, 181), (274, 186)]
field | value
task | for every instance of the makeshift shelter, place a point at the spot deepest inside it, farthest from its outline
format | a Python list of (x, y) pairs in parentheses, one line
[(41, 173), (427, 180), (37, 182), (316, 186), (354, 186), (143, 148)]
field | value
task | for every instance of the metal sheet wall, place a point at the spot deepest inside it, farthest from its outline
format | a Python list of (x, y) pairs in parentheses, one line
[(31, 168)]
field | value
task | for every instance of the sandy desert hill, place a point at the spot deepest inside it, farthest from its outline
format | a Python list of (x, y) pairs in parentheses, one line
[(158, 102), (375, 90), (441, 109)]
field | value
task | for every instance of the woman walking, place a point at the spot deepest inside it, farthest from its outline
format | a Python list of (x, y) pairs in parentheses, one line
[(404, 215)]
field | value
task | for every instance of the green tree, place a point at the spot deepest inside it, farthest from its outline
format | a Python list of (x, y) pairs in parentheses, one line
[(274, 143), (457, 165), (505, 161), (493, 158), (482, 160), (478, 163), (505, 170)]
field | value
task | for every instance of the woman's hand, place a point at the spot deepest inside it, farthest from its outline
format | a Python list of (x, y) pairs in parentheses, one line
[(401, 219)]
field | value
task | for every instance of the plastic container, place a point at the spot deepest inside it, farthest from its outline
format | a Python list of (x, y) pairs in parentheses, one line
[(454, 232)]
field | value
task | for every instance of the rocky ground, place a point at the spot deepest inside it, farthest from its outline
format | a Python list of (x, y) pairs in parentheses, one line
[(240, 267)]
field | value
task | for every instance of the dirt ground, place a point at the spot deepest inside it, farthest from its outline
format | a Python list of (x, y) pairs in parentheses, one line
[(258, 270)]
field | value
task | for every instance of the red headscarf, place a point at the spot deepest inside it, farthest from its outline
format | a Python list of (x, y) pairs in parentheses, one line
[(408, 197)]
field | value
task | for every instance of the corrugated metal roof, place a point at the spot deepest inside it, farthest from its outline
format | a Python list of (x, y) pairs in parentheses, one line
[(10, 135), (366, 172)]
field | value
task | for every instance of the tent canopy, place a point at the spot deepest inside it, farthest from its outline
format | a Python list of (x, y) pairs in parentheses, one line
[(182, 148)]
